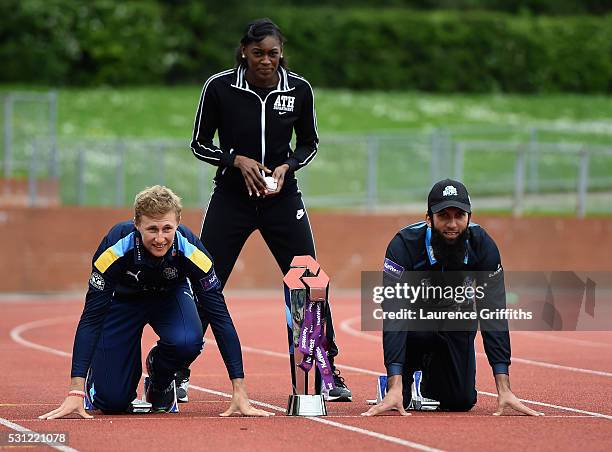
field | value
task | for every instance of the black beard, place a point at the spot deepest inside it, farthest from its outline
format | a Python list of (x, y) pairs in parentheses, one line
[(449, 255)]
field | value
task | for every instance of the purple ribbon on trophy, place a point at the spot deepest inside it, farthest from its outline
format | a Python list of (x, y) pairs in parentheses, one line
[(313, 343), (306, 295)]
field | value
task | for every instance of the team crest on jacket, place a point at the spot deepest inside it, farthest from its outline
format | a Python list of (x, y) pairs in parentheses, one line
[(284, 103), (96, 281), (170, 273)]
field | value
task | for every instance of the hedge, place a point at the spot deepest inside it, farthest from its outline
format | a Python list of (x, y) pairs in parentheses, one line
[(78, 42), (447, 52)]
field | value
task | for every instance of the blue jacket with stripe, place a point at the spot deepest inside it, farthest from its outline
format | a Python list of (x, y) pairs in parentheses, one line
[(123, 269), (410, 250)]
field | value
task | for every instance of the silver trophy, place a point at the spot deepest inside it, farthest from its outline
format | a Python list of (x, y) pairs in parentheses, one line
[(306, 284)]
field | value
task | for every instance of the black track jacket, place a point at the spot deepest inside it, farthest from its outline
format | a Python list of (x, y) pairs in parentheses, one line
[(255, 128), (410, 250)]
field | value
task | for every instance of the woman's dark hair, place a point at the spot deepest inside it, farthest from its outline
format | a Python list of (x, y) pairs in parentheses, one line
[(256, 31)]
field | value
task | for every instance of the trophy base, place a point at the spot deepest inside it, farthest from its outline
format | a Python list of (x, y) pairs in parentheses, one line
[(306, 405)]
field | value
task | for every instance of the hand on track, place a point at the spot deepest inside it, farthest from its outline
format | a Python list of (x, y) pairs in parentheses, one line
[(240, 402), (241, 405), (72, 404), (393, 400), (508, 399)]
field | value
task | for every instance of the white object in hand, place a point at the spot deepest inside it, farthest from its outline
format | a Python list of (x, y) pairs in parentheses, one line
[(271, 183)]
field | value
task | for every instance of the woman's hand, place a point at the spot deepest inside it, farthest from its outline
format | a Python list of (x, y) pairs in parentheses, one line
[(279, 177), (251, 171)]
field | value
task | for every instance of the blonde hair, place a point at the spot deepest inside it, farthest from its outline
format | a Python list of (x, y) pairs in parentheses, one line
[(156, 201)]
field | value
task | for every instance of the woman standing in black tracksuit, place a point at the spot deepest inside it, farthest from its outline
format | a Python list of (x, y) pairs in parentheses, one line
[(255, 108)]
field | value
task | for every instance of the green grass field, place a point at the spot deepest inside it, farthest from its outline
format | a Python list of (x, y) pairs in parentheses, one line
[(168, 112), (402, 121)]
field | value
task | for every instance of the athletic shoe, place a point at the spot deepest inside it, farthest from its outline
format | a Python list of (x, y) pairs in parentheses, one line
[(181, 379), (161, 399), (341, 393), (139, 407), (418, 402)]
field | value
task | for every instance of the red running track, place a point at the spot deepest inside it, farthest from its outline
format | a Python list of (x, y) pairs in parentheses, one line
[(568, 376)]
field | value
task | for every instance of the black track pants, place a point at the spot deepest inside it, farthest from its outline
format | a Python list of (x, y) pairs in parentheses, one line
[(448, 362), (283, 223)]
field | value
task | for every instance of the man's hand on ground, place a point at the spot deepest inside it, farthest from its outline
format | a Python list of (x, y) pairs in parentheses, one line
[(393, 399), (72, 404), (507, 399), (240, 402)]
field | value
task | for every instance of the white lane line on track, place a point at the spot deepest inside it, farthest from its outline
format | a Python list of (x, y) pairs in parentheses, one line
[(22, 429), (372, 372), (346, 326), (436, 415), (559, 407), (16, 336), (284, 356), (274, 354), (391, 439), (600, 373), (567, 340)]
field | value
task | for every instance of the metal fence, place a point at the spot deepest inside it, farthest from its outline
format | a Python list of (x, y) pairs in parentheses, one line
[(506, 169), (511, 174), (26, 117), (374, 172), (110, 172)]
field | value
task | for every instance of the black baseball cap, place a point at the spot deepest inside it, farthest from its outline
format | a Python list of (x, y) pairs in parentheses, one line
[(448, 193)]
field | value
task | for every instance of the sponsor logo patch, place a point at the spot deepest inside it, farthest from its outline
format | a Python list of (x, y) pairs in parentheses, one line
[(138, 249), (430, 252), (299, 214), (170, 273), (392, 268), (210, 281), (496, 272), (133, 275), (284, 103), (449, 190), (96, 281)]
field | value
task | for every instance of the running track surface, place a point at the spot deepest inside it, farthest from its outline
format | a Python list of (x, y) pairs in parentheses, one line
[(568, 376)]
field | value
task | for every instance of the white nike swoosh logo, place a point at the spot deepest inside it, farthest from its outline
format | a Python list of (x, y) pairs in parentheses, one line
[(281, 113)]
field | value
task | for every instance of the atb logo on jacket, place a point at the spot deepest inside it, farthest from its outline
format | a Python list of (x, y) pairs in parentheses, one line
[(284, 103)]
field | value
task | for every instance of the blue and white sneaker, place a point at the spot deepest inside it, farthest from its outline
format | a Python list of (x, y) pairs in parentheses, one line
[(417, 401), (139, 407), (181, 379), (161, 399)]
